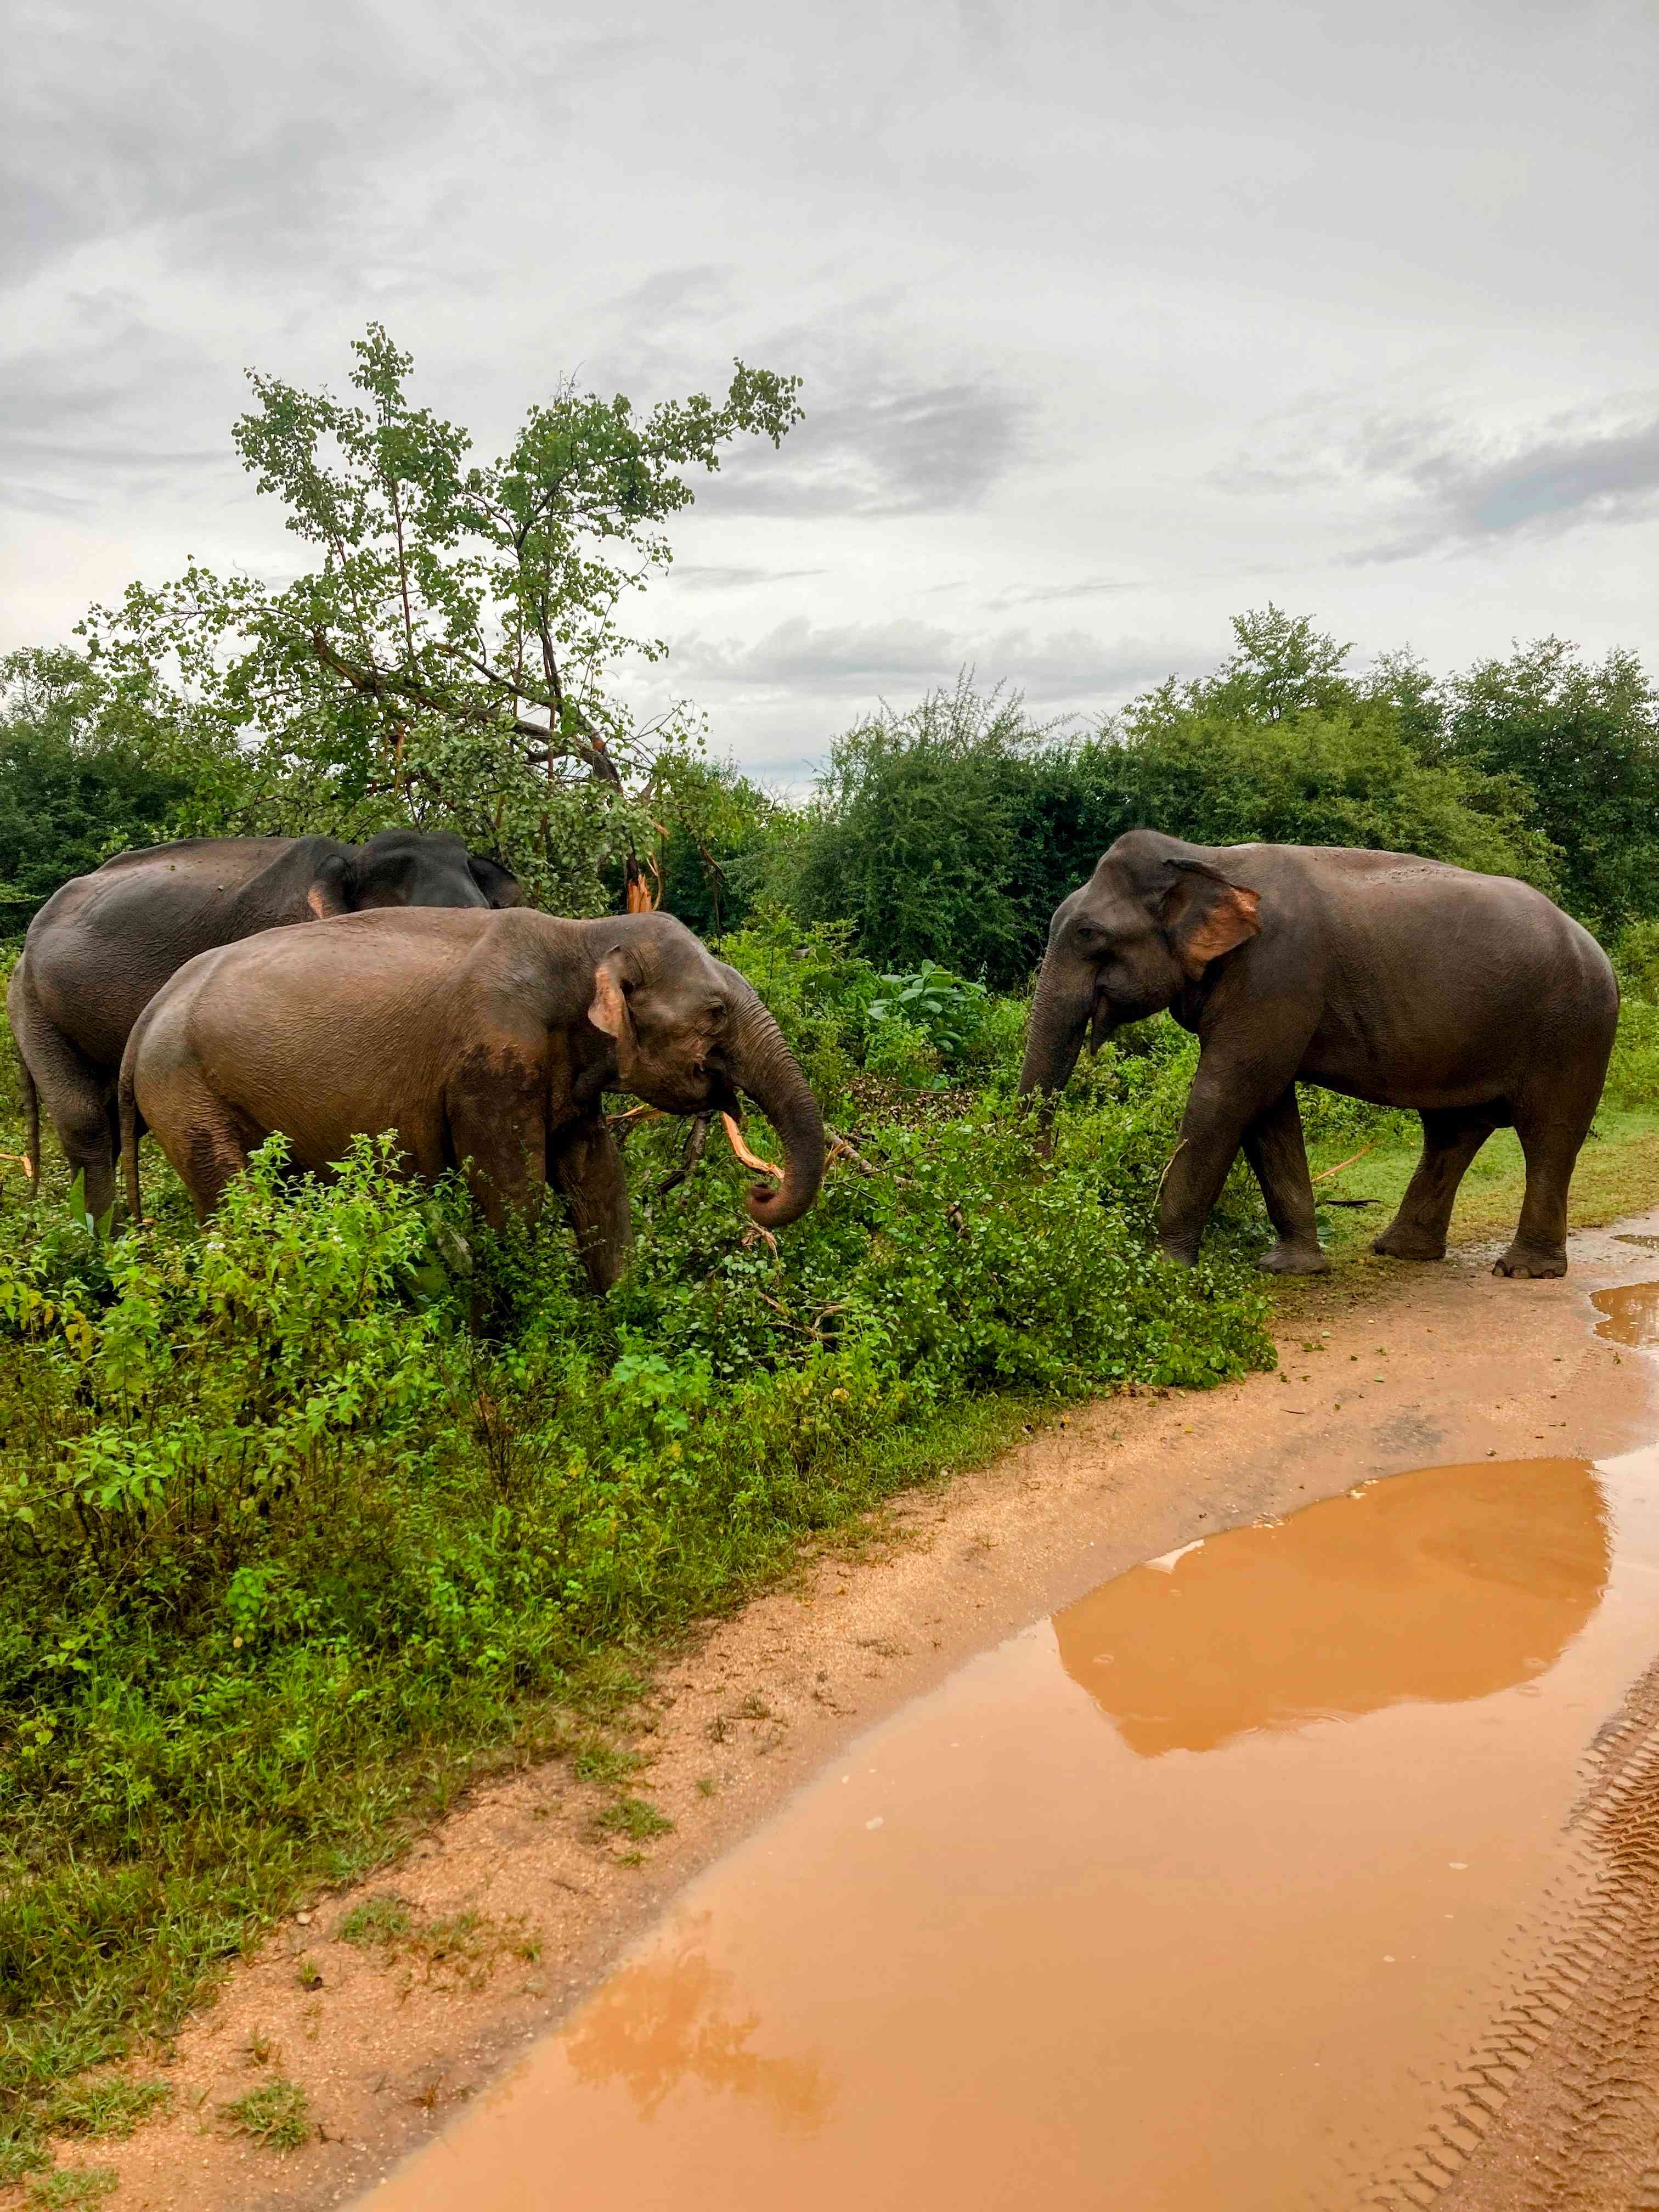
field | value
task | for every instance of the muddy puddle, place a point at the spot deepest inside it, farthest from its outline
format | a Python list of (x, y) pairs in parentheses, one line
[(1208, 1892)]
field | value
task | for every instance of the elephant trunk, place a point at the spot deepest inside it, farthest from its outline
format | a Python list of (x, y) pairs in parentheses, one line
[(762, 1064), (1054, 1035)]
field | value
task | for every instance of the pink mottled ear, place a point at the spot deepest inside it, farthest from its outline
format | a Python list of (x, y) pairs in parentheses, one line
[(1205, 916), (609, 1011)]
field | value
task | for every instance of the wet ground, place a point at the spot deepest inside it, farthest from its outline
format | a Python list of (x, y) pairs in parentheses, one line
[(1267, 1874)]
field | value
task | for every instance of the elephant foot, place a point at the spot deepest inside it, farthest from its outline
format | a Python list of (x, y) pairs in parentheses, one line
[(1401, 1244), (1532, 1263), (1183, 1256), (1284, 1259)]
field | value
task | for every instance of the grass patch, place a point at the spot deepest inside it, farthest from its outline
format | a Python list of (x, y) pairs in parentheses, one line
[(377, 1922), (276, 2115), (107, 2111), (68, 2187), (1618, 1173), (635, 1818)]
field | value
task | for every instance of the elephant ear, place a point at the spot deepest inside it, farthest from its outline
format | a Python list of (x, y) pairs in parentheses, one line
[(608, 1010), (1204, 915), (334, 887), (499, 884)]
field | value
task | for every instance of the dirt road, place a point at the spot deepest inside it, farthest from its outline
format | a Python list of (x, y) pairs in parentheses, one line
[(495, 1925)]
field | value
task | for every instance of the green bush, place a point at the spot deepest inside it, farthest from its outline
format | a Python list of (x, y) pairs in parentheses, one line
[(295, 1510)]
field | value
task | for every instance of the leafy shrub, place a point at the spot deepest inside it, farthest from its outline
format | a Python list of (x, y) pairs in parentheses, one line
[(903, 1052), (947, 1010)]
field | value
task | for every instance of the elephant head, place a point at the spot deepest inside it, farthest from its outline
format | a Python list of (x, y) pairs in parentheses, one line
[(1147, 924), (689, 1034), (408, 867)]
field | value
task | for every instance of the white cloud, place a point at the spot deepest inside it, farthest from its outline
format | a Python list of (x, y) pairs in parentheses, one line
[(1045, 274)]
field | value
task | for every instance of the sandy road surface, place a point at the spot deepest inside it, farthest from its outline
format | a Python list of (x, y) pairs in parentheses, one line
[(1441, 1363)]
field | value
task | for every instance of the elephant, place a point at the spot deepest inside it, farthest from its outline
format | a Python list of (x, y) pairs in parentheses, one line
[(1471, 1000), (484, 1039), (104, 943)]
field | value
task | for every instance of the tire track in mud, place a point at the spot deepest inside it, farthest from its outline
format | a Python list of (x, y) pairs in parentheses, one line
[(1557, 2109)]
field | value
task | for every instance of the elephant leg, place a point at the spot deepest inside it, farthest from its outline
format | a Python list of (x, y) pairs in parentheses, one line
[(588, 1166), (1552, 1135), (217, 1144), (1226, 1099), (1278, 1155), (498, 1132), (79, 1103), (1451, 1141)]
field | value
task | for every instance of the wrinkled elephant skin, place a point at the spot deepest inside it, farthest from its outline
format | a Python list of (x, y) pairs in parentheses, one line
[(483, 1038), (103, 945), (1468, 999)]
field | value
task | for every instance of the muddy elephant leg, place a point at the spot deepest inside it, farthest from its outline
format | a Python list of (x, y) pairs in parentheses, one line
[(588, 1166), (1225, 1100), (500, 1138), (1278, 1155), (217, 1144), (1451, 1141), (1552, 1133)]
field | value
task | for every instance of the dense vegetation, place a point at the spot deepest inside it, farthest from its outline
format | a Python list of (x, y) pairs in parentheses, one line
[(299, 1516)]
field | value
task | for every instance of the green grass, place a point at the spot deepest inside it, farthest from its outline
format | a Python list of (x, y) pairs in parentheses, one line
[(375, 1921), (67, 2188), (635, 1817), (1618, 1173), (276, 2115)]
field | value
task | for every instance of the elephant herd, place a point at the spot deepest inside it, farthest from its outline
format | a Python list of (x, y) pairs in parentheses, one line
[(171, 991)]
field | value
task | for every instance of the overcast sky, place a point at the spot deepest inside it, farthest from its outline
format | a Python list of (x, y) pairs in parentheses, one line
[(1113, 320)]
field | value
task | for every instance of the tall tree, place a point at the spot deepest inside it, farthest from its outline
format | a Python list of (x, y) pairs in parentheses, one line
[(452, 653)]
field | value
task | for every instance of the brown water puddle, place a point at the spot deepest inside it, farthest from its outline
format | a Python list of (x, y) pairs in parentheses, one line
[(1197, 1895), (1631, 1313)]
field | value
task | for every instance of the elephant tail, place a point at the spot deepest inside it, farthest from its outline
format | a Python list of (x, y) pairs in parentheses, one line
[(132, 1129), (31, 1098)]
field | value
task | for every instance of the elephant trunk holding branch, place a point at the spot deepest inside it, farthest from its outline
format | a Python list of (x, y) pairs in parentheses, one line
[(1468, 999), (483, 1038), (104, 943)]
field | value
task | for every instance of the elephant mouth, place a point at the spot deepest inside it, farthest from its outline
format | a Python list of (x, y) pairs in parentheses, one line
[(1103, 1018)]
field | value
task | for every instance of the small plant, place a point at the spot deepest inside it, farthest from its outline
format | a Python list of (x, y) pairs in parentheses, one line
[(947, 1009), (599, 1761), (276, 2115), (376, 1922), (904, 1054), (633, 1817), (307, 1973), (108, 2110), (68, 2187)]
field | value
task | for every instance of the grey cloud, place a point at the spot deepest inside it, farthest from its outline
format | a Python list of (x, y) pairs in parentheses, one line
[(67, 425), (929, 449), (1549, 486), (1096, 587), (719, 576), (1449, 488), (864, 659)]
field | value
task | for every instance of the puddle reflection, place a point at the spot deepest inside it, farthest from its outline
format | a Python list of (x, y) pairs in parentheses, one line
[(1442, 1585), (665, 2021), (1000, 1954), (1631, 1314)]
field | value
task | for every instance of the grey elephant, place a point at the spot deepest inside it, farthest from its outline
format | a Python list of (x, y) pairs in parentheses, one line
[(1468, 999), (483, 1038), (103, 944)]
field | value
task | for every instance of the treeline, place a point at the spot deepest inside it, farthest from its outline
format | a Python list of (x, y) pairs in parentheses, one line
[(951, 831), (948, 832)]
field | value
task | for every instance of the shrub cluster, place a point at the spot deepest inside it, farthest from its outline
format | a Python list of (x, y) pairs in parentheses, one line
[(293, 1507)]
